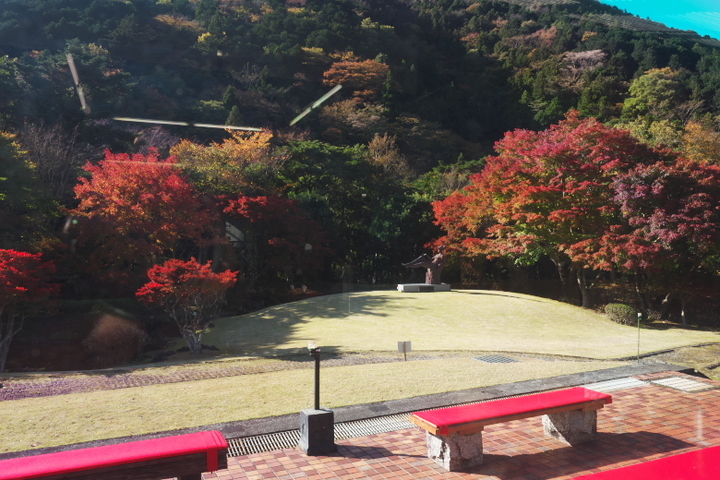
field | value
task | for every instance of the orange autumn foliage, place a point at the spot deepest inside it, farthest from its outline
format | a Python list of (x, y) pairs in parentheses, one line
[(244, 163), (365, 79)]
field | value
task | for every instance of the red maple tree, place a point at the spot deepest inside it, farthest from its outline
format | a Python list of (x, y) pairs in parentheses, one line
[(135, 209), (673, 224), (280, 238), (546, 193), (189, 292), (24, 281)]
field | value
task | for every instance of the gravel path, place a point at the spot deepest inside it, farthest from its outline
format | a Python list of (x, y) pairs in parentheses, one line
[(16, 387), (33, 385)]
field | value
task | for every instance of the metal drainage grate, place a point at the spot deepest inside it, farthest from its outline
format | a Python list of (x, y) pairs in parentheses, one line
[(289, 439), (617, 384), (684, 384), (262, 443), (371, 426), (496, 359)]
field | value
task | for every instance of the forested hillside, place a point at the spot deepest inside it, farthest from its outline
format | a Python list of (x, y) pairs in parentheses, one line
[(345, 194)]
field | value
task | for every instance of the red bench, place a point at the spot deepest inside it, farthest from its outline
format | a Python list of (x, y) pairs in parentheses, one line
[(454, 434), (701, 464), (183, 456)]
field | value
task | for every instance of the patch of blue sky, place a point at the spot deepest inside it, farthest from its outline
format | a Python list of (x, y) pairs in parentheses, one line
[(701, 16)]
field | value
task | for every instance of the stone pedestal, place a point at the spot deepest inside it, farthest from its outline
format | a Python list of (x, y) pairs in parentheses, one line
[(571, 427), (455, 452), (317, 431), (423, 287)]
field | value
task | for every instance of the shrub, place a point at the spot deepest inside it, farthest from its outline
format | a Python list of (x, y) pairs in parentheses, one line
[(622, 313), (115, 340)]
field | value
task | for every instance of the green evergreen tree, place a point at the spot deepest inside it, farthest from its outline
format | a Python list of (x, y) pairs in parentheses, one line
[(229, 99), (27, 212), (235, 118)]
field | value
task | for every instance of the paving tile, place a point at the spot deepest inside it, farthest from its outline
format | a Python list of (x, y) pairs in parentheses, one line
[(643, 423)]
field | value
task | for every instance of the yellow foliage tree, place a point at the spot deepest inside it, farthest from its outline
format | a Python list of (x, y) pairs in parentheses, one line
[(244, 163), (384, 152), (365, 79), (701, 143)]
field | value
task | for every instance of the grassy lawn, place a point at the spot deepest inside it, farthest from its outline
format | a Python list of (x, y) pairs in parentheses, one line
[(458, 320), (67, 419)]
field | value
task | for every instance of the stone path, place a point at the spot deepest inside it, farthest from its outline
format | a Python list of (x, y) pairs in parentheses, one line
[(20, 386), (16, 387)]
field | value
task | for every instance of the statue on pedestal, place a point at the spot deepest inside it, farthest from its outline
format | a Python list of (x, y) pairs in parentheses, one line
[(434, 265)]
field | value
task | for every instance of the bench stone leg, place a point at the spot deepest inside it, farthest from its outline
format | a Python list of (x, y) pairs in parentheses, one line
[(571, 427), (455, 452)]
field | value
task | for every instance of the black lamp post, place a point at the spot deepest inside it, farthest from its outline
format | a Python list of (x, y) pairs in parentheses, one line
[(315, 353), (317, 426)]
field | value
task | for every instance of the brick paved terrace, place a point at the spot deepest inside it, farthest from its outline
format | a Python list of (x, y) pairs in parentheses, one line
[(656, 415)]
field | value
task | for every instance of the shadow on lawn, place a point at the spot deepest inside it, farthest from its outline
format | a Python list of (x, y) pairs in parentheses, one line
[(327, 352), (609, 449), (674, 326), (500, 294), (260, 332), (339, 306)]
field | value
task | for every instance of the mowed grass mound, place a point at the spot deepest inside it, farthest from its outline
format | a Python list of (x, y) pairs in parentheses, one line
[(460, 320)]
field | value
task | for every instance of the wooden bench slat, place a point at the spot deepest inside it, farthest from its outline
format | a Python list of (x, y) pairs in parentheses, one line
[(473, 418)]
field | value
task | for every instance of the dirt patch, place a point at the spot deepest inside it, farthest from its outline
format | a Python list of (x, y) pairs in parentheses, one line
[(64, 341), (50, 345), (704, 359)]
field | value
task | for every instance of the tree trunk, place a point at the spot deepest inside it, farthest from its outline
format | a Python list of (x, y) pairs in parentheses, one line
[(641, 291), (580, 274), (7, 332), (193, 340), (561, 264), (218, 247), (683, 316), (203, 255), (4, 349), (665, 306), (685, 297), (519, 277), (252, 258)]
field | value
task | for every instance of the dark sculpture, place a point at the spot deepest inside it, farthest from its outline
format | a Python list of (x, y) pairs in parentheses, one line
[(434, 266)]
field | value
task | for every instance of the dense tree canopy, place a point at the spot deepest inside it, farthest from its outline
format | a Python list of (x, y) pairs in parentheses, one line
[(550, 193), (133, 211), (244, 163), (27, 209), (345, 194), (477, 68), (280, 241)]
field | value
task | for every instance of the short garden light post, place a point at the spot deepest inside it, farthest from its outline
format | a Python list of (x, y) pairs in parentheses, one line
[(640, 316), (317, 426), (315, 353)]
